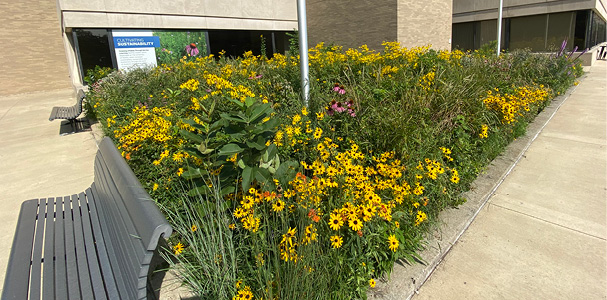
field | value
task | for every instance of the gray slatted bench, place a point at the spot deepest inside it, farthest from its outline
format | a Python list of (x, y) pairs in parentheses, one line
[(94, 245), (69, 113)]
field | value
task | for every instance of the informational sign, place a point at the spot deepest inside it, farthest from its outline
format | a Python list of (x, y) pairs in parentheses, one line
[(135, 49)]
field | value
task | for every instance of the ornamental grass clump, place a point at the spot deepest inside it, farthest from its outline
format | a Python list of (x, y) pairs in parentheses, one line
[(274, 200)]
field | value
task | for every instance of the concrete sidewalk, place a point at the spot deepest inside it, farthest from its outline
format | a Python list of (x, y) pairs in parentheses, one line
[(542, 235)]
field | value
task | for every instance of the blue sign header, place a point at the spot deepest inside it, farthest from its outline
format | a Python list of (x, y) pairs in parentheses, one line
[(136, 41)]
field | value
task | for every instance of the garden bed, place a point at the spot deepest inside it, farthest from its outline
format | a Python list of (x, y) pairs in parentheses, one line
[(274, 200)]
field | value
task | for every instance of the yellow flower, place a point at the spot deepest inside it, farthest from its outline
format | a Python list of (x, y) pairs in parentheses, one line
[(336, 241), (372, 283), (155, 186), (180, 171), (392, 243), (278, 206), (355, 224), (335, 221), (194, 228), (178, 248), (317, 133)]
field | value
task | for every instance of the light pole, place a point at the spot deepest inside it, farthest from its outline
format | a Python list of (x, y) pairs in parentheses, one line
[(303, 51), (499, 28)]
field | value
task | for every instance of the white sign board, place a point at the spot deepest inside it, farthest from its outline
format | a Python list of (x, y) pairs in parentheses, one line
[(135, 49)]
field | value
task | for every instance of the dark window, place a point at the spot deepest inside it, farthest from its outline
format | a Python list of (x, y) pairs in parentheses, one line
[(93, 49), (581, 26), (237, 42)]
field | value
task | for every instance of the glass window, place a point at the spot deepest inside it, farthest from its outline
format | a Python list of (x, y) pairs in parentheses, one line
[(463, 36), (560, 28), (528, 32), (93, 49)]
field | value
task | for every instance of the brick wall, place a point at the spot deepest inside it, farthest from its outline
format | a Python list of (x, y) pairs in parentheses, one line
[(352, 23), (32, 57), (425, 22)]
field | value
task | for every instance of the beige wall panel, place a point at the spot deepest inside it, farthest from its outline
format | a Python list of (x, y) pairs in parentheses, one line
[(119, 20), (352, 23), (240, 9), (425, 22), (32, 56)]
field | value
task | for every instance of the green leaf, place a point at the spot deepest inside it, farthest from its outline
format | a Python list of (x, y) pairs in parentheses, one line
[(227, 190), (260, 112), (230, 149), (249, 101), (235, 118), (271, 152), (237, 102), (247, 177), (201, 190), (192, 173), (286, 172), (259, 144), (191, 136), (263, 176)]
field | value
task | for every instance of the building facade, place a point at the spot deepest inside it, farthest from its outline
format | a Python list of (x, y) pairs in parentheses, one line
[(353, 23), (72, 37), (539, 25)]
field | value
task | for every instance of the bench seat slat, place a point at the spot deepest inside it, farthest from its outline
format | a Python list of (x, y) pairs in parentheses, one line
[(70, 250), (35, 273), (60, 267), (18, 269), (83, 269), (48, 272), (91, 252)]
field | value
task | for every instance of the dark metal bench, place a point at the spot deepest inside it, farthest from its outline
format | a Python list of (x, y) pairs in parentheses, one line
[(69, 113), (94, 245)]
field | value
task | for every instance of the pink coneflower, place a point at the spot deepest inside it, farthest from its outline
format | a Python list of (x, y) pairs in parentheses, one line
[(191, 49)]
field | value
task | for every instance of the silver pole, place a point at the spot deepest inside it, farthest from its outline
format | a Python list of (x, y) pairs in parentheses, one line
[(499, 27), (303, 50)]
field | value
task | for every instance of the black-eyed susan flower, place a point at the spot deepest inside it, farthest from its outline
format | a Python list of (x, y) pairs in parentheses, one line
[(392, 243), (335, 221), (372, 283), (336, 241), (177, 249), (355, 224), (278, 206)]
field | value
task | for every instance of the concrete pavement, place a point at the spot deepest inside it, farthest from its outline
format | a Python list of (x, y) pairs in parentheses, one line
[(542, 235)]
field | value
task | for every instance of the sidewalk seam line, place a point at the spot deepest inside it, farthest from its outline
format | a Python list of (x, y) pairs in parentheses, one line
[(550, 222)]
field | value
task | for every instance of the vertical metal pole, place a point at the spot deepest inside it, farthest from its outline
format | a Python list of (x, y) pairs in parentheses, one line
[(303, 50), (499, 27)]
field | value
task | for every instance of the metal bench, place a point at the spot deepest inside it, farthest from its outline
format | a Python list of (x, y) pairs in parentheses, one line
[(94, 245), (69, 113)]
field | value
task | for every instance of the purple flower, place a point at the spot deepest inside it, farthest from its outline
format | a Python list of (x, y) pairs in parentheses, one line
[(342, 91), (336, 89), (191, 49)]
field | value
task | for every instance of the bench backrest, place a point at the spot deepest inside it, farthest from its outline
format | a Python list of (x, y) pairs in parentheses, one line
[(80, 95), (130, 221)]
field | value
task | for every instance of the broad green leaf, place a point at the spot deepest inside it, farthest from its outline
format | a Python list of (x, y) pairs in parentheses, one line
[(260, 112), (230, 149), (247, 177), (192, 173), (249, 101), (191, 136)]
